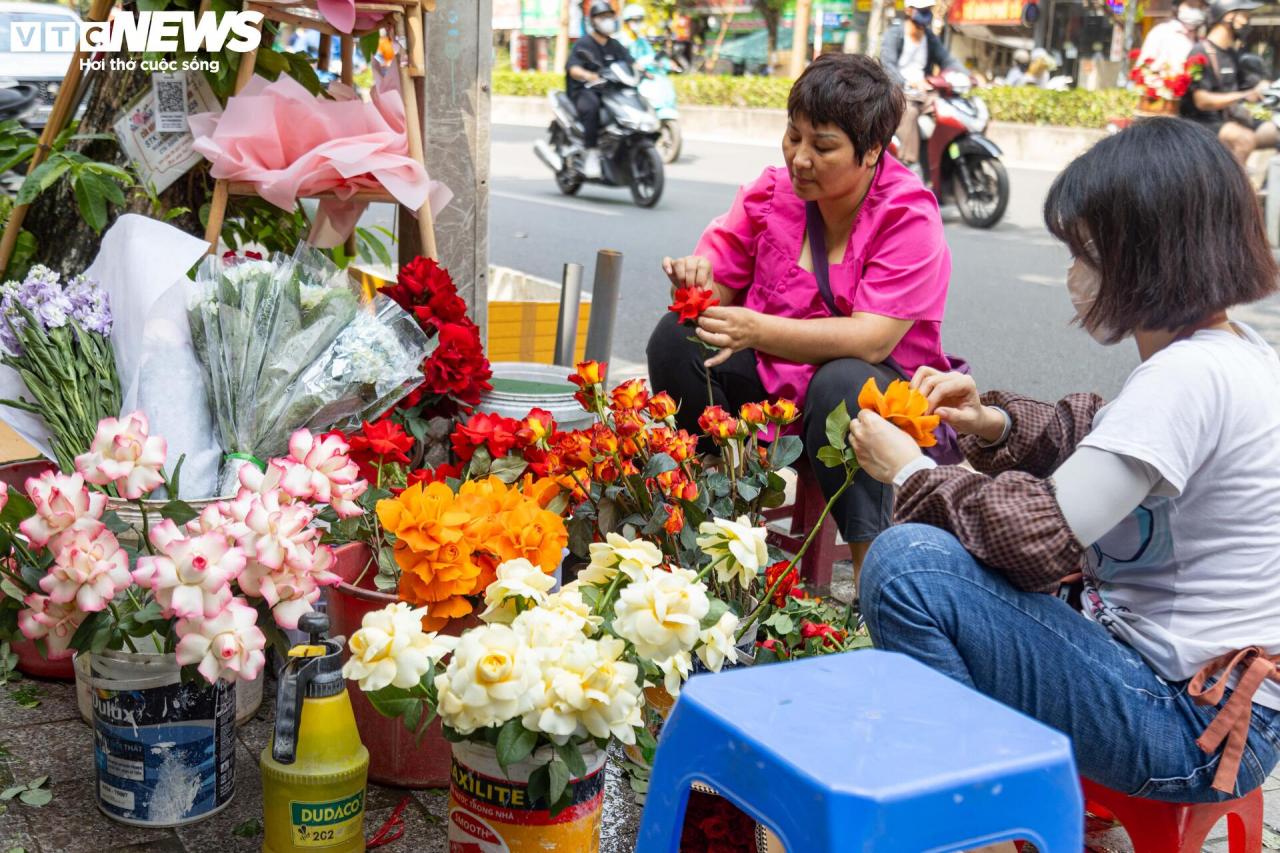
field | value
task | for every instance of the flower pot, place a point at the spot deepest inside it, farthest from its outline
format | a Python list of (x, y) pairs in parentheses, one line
[(248, 693), (15, 474), (490, 809), (164, 749), (396, 757), (31, 662)]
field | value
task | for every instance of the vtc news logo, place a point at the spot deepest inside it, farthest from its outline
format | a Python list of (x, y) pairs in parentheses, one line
[(138, 32)]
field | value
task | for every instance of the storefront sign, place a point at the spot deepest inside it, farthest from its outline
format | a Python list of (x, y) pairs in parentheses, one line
[(506, 14), (987, 12)]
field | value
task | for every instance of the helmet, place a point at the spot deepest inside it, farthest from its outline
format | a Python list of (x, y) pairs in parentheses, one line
[(1221, 8), (1022, 56), (600, 7), (633, 12)]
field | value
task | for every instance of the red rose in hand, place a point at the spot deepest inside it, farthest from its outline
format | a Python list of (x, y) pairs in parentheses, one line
[(772, 574), (689, 302)]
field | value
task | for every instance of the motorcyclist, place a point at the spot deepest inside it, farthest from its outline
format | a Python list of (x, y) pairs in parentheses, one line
[(1168, 44), (592, 54), (1017, 75), (910, 53), (633, 38), (1218, 98)]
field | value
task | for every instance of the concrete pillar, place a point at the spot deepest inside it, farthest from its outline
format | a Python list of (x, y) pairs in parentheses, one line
[(455, 98)]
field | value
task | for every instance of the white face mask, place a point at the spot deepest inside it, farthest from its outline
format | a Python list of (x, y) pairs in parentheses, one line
[(1083, 284), (1191, 17), (605, 26)]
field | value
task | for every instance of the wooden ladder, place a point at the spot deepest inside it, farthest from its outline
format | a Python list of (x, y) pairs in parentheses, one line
[(406, 20)]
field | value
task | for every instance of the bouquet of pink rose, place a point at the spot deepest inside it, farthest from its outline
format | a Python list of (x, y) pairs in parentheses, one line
[(210, 587)]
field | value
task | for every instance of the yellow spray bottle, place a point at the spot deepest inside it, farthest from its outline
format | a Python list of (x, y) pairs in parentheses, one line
[(315, 767)]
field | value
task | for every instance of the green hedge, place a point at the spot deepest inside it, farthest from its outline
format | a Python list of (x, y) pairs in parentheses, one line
[(1073, 108)]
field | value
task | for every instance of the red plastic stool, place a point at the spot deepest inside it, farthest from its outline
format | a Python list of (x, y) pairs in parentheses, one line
[(802, 515), (1159, 827)]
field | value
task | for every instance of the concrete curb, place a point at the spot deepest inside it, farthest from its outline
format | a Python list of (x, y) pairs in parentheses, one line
[(1036, 146)]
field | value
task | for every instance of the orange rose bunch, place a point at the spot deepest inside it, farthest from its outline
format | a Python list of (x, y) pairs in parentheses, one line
[(902, 406), (448, 546)]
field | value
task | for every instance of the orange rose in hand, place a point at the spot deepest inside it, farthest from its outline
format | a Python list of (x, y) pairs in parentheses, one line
[(902, 406)]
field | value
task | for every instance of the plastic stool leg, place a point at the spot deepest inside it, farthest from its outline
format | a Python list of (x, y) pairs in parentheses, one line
[(1244, 824)]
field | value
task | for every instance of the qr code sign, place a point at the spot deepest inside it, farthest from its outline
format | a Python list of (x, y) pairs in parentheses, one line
[(171, 102)]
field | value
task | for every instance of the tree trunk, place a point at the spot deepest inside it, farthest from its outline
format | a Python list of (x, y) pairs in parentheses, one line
[(63, 241), (770, 14), (562, 36), (800, 37)]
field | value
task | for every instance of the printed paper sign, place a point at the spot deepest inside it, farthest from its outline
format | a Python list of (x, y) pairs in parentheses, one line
[(159, 157)]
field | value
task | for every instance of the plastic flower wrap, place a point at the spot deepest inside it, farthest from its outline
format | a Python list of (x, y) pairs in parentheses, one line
[(291, 343), (56, 336)]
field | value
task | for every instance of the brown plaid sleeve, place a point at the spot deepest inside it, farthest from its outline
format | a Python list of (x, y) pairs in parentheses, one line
[(1010, 522), (1042, 435)]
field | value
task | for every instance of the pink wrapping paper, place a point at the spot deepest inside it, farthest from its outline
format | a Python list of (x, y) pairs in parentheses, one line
[(291, 144)]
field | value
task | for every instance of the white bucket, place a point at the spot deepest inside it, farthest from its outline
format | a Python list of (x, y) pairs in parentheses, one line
[(164, 749), (248, 693), (519, 386)]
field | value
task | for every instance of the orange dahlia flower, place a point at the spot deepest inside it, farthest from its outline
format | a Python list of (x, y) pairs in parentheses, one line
[(902, 406)]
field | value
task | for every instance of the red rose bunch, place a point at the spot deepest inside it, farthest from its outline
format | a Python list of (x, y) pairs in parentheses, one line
[(493, 432), (830, 636), (379, 444), (788, 585), (457, 372)]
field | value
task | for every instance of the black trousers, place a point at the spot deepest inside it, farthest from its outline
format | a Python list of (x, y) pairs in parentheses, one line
[(587, 103), (675, 366)]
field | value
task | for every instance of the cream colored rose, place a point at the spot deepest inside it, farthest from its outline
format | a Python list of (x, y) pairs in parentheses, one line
[(737, 549), (490, 679), (546, 628), (617, 553), (716, 643), (660, 612), (587, 689), (519, 582), (675, 672), (392, 649), (569, 603)]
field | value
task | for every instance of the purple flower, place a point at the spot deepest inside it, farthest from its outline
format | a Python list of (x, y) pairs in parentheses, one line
[(53, 305), (90, 306)]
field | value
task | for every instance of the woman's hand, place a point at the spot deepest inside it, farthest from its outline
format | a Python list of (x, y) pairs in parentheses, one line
[(730, 328), (690, 271), (954, 398), (882, 448)]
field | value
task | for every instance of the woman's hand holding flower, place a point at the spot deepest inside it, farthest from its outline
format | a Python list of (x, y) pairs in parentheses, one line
[(691, 271), (954, 398), (731, 328), (882, 448)]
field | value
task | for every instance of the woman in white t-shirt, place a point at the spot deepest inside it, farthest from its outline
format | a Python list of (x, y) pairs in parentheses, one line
[(1166, 499), (1169, 43)]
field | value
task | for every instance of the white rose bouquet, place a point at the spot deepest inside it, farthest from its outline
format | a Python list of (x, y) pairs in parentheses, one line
[(565, 670)]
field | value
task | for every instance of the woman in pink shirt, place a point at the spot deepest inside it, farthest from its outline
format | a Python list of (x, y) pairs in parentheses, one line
[(887, 267)]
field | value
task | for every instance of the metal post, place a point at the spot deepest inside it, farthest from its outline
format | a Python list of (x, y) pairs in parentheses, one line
[(604, 304), (1130, 23), (1272, 205), (567, 331)]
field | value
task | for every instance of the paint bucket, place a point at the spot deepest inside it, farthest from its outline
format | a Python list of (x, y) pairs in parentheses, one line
[(490, 811), (248, 693), (164, 749)]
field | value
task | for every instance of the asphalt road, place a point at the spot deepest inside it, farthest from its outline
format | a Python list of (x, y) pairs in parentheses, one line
[(1007, 310)]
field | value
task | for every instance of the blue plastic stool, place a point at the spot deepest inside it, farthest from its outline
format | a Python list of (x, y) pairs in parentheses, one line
[(867, 751)]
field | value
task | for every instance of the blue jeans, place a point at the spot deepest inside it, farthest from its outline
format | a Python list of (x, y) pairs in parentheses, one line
[(924, 595)]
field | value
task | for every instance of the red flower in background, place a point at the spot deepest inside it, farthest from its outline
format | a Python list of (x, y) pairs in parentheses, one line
[(718, 423), (457, 372), (772, 574), (662, 406), (538, 426), (675, 521), (438, 474), (689, 302), (381, 443), (830, 636), (494, 432)]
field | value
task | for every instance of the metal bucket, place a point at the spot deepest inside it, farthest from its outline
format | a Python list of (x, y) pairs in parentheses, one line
[(164, 749), (520, 386), (248, 693)]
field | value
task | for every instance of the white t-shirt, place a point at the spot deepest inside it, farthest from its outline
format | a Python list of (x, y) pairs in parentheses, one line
[(1169, 44), (1194, 571), (914, 56)]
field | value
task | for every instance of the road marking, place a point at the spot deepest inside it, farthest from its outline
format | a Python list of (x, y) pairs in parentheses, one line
[(553, 202)]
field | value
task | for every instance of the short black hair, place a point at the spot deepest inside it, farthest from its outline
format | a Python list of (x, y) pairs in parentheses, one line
[(852, 92), (1171, 223)]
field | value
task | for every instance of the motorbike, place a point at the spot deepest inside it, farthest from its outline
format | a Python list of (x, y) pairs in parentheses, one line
[(960, 163), (629, 129), (656, 88)]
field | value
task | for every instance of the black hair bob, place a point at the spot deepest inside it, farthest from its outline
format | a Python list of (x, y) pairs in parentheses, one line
[(852, 92), (1169, 220)]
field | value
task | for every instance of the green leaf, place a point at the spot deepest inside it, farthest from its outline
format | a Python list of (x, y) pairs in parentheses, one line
[(539, 784), (748, 491), (571, 755), (179, 512), (36, 797), (17, 510), (91, 198), (659, 464), (831, 457), (251, 828), (558, 779), (392, 701), (45, 176), (413, 716), (508, 468), (838, 426), (787, 450), (781, 623), (714, 612), (9, 793), (515, 743)]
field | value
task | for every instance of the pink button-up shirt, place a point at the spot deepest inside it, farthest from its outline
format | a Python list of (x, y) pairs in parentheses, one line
[(896, 264)]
